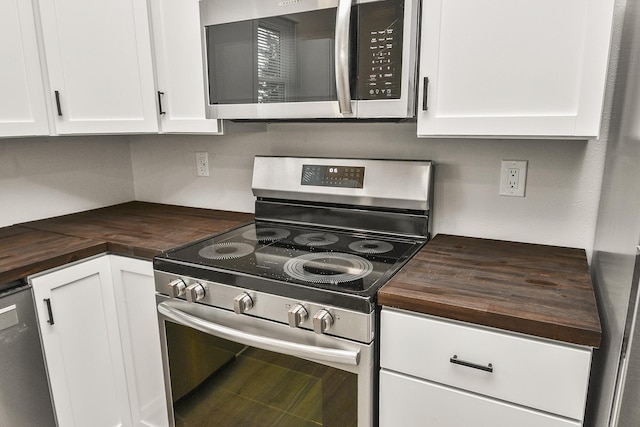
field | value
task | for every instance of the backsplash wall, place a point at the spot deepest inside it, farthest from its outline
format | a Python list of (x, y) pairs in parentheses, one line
[(562, 190), (44, 177)]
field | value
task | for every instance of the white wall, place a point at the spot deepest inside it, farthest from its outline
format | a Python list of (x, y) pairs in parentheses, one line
[(44, 177), (563, 180)]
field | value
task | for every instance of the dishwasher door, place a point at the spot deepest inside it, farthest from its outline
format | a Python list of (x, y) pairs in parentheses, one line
[(24, 390)]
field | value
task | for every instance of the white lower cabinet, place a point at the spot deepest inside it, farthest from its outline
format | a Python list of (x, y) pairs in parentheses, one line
[(136, 305), (101, 350), (408, 401), (77, 317), (449, 374)]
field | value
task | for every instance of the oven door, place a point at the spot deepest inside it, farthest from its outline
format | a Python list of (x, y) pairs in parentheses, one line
[(224, 369), (272, 59)]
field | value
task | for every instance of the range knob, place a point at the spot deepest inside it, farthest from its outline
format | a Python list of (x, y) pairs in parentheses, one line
[(177, 288), (195, 292), (297, 315), (242, 303), (322, 321)]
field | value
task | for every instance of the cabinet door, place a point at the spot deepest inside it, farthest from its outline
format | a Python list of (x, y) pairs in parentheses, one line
[(406, 401), (22, 105), (136, 304), (77, 319), (514, 67), (99, 65), (179, 67)]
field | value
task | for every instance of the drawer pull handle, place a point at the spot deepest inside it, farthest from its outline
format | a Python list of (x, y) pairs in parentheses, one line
[(456, 361)]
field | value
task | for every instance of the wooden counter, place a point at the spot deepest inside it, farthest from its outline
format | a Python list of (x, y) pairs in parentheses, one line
[(133, 229), (533, 289), (25, 251), (538, 290)]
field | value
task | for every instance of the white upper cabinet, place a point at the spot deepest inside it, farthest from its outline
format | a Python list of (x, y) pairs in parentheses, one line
[(179, 68), (99, 65), (22, 106), (521, 68)]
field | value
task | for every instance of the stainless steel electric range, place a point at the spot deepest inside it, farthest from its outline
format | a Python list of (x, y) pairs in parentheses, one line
[(274, 323)]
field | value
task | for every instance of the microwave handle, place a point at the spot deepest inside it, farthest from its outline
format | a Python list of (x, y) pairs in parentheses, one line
[(343, 20), (321, 354)]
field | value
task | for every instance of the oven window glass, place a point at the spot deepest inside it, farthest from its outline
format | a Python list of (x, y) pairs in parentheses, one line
[(287, 58), (216, 382)]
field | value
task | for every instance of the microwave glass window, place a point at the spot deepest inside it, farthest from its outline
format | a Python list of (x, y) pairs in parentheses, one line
[(287, 58), (222, 383), (276, 60)]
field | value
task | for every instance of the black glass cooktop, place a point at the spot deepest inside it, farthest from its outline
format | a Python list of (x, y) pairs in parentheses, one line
[(339, 261)]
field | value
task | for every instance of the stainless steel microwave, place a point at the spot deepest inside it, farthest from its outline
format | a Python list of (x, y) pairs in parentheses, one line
[(309, 59)]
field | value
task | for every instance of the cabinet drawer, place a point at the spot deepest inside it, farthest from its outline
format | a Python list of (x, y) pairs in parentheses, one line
[(408, 402), (527, 371)]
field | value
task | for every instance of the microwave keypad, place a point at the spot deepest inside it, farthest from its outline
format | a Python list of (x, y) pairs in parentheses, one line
[(380, 58)]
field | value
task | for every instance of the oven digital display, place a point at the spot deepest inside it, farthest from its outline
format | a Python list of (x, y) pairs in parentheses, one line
[(333, 176)]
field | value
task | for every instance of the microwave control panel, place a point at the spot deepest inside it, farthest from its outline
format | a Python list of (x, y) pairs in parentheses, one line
[(380, 50)]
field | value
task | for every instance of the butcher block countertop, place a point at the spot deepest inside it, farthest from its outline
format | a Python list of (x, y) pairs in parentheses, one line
[(533, 289), (137, 229), (24, 251), (538, 290)]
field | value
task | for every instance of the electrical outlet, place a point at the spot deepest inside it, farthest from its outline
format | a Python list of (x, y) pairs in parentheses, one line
[(513, 178), (202, 163)]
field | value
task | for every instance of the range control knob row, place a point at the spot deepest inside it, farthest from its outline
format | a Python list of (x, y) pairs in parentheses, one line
[(242, 303), (297, 315), (322, 321)]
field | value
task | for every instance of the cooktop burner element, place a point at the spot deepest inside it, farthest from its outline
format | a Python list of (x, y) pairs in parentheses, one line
[(371, 247), (226, 250), (316, 239), (266, 234), (328, 267)]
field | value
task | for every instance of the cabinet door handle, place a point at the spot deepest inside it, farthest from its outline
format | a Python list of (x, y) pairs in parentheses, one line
[(160, 94), (425, 94), (58, 103), (47, 301), (456, 361)]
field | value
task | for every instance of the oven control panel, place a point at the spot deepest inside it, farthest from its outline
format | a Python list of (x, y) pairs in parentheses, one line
[(333, 176), (321, 319)]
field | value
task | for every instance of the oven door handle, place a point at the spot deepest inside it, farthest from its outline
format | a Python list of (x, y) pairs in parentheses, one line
[(321, 354)]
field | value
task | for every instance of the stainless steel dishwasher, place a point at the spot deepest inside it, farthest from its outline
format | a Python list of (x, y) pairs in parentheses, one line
[(25, 400)]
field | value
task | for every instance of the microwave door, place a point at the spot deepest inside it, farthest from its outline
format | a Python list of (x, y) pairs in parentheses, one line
[(271, 66)]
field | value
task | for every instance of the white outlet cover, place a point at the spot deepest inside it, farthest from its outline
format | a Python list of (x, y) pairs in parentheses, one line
[(202, 163), (517, 190)]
